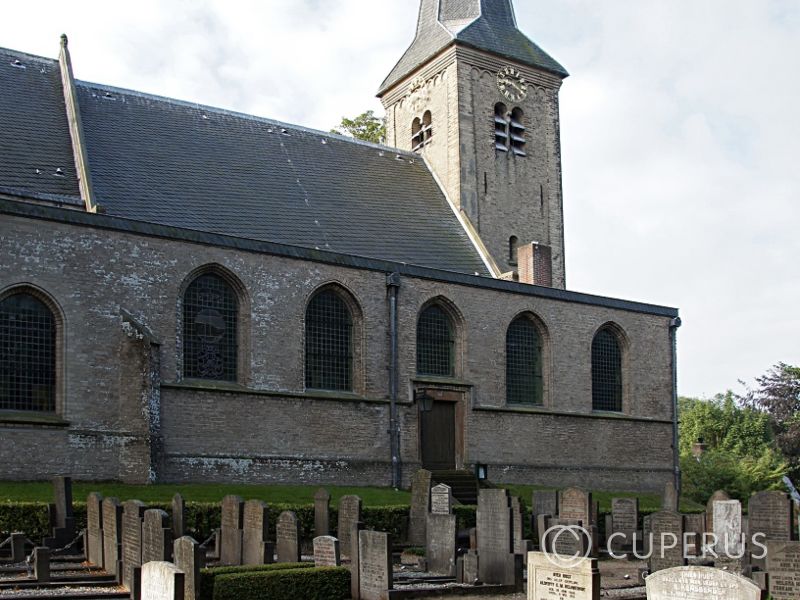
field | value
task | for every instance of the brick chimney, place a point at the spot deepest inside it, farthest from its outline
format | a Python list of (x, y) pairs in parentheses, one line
[(535, 264)]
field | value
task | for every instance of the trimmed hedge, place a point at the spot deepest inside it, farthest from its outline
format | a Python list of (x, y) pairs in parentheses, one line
[(208, 577), (323, 583)]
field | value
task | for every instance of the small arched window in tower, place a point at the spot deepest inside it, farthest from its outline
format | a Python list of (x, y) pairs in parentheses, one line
[(416, 134), (421, 131), (517, 132), (513, 246), (501, 127), (606, 371), (427, 127)]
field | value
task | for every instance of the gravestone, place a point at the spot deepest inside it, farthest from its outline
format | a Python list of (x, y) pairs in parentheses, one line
[(255, 548), (717, 496), (575, 504), (699, 583), (231, 531), (694, 526), (162, 581), (375, 565), (624, 521), (327, 552), (517, 527), (471, 573), (550, 578), (156, 536), (62, 518), (420, 506), (567, 539), (189, 558), (322, 513), (669, 500), (17, 547), (355, 588), (41, 564), (287, 537), (132, 515), (178, 516), (783, 566), (666, 545), (770, 514), (349, 515), (94, 529), (728, 528), (495, 537), (112, 535), (545, 502), (441, 499)]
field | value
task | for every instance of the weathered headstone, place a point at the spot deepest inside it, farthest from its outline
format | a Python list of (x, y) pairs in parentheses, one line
[(770, 515), (575, 504), (255, 548), (624, 521), (495, 537), (355, 588), (349, 514), (420, 505), (231, 531), (550, 578), (567, 539), (162, 581), (728, 528), (132, 515), (178, 516), (112, 535), (545, 502), (542, 525), (440, 545), (287, 537), (17, 547), (471, 568), (441, 499), (783, 566), (717, 496), (156, 536), (517, 527), (666, 529), (41, 564), (189, 558), (62, 518), (699, 583), (322, 514), (670, 499), (94, 529), (375, 565), (694, 527), (327, 552)]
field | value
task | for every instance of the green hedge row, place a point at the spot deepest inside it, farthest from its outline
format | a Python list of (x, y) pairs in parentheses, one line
[(323, 583), (208, 577)]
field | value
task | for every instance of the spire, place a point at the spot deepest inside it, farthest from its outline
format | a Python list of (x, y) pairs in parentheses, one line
[(488, 25)]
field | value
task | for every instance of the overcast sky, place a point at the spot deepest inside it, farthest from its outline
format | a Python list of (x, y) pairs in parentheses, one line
[(680, 131)]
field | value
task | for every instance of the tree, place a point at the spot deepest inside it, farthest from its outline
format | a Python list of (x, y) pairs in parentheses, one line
[(778, 395), (366, 127)]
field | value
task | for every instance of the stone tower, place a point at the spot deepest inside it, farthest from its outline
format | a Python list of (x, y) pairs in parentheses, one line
[(479, 101)]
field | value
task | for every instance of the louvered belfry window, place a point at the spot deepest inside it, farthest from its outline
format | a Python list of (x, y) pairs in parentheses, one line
[(329, 343), (27, 354), (606, 372), (523, 363), (210, 320), (435, 343)]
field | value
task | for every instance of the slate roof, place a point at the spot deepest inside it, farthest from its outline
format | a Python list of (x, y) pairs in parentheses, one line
[(487, 25), (183, 165)]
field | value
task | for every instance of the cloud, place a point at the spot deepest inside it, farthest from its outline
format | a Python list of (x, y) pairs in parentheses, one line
[(680, 131)]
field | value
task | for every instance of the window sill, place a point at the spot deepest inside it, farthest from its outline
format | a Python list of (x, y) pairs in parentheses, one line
[(32, 418), (433, 380), (541, 410)]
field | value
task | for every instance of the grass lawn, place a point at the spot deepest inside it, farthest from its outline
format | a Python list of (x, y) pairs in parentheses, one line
[(275, 494)]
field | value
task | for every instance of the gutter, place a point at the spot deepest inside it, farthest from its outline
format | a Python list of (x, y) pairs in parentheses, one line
[(674, 324), (393, 288)]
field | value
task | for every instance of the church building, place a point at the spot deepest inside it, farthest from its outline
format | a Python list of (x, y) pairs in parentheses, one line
[(189, 294)]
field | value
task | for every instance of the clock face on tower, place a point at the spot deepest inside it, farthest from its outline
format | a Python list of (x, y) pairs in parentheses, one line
[(512, 84)]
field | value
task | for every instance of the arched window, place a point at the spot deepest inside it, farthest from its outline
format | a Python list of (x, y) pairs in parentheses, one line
[(513, 247), (427, 127), (435, 342), (501, 127), (517, 132), (421, 131), (210, 321), (606, 371), (523, 363), (416, 134), (27, 354), (329, 343)]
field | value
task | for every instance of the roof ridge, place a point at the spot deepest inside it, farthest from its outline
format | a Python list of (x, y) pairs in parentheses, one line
[(28, 55), (236, 113)]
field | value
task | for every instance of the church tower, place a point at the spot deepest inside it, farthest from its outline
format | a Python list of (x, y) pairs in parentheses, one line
[(479, 101)]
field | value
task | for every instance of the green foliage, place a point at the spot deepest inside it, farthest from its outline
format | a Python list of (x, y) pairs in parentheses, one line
[(31, 518), (324, 583), (741, 455), (366, 127), (208, 576)]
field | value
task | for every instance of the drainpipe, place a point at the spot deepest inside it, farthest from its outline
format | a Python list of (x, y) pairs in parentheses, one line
[(676, 455), (393, 287)]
